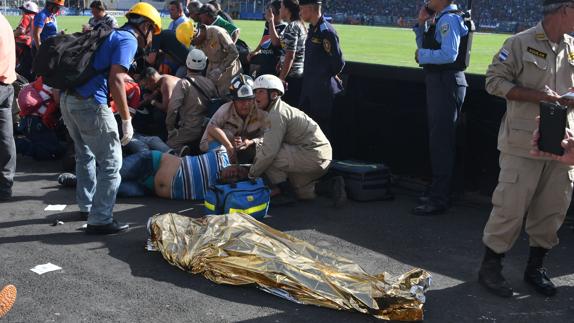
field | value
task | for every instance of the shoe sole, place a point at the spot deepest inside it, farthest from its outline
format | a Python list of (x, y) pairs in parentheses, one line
[(7, 299), (105, 233), (540, 290), (493, 291)]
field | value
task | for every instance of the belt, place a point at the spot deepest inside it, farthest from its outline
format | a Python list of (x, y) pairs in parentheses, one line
[(75, 94)]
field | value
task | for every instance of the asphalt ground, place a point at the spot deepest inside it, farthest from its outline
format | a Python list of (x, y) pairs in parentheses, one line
[(113, 279)]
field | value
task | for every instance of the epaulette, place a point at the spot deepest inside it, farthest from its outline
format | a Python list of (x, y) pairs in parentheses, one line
[(324, 27)]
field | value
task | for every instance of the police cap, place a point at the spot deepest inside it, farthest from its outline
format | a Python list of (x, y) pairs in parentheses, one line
[(304, 2), (549, 2)]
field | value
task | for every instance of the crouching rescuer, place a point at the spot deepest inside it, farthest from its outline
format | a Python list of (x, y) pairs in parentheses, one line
[(294, 153), (91, 122)]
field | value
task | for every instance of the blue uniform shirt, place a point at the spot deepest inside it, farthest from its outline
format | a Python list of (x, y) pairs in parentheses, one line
[(323, 57), (118, 49), (46, 20), (450, 28), (175, 23)]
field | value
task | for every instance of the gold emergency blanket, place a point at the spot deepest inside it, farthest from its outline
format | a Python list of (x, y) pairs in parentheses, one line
[(236, 249)]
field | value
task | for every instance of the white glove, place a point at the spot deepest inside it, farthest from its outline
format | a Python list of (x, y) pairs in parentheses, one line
[(215, 74), (128, 131)]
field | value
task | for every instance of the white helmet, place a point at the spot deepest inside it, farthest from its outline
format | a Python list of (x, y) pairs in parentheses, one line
[(269, 82), (30, 6), (196, 60)]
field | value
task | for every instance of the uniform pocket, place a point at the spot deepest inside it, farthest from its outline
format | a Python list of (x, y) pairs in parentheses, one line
[(506, 179), (520, 132)]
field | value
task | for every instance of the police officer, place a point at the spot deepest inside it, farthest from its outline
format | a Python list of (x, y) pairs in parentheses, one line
[(531, 67), (440, 35), (323, 62)]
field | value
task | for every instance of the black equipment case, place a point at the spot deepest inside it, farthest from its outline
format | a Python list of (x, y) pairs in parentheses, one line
[(364, 182)]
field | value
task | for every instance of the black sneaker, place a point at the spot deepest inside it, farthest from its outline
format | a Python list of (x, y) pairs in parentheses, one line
[(111, 228), (67, 179)]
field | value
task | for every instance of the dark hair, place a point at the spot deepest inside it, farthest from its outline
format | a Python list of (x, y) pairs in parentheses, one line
[(215, 3), (209, 10), (177, 4), (98, 5), (293, 7), (275, 6), (149, 72)]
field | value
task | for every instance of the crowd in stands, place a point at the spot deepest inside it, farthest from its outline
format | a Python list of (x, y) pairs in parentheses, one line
[(511, 16), (486, 12)]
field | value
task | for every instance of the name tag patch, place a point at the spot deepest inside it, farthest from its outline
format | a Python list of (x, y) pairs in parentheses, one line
[(536, 52)]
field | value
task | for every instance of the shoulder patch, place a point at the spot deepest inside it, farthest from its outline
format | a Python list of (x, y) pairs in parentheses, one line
[(327, 46), (444, 28), (536, 52), (503, 55)]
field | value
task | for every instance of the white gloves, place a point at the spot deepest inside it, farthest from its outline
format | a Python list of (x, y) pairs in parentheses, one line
[(128, 131)]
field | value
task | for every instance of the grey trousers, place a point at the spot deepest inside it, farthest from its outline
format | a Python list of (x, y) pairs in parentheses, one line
[(7, 145)]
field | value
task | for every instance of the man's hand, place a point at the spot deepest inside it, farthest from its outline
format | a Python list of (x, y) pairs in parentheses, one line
[(567, 144), (242, 144), (231, 153), (269, 16), (423, 15), (128, 131)]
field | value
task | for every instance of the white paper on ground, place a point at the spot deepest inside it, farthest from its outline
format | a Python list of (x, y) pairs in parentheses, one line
[(55, 207), (45, 268)]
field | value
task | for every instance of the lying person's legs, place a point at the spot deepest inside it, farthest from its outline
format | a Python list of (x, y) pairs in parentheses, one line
[(138, 173)]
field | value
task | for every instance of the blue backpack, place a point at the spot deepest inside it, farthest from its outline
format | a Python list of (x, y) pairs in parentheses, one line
[(249, 197)]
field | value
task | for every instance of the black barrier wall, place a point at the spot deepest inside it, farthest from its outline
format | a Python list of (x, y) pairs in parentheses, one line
[(381, 117)]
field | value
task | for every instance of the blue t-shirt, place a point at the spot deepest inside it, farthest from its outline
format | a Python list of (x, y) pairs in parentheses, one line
[(118, 49), (46, 20)]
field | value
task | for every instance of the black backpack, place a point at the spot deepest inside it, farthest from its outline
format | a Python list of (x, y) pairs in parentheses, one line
[(65, 61)]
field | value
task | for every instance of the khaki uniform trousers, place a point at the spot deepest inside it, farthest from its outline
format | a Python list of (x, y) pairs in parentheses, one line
[(538, 189), (300, 166)]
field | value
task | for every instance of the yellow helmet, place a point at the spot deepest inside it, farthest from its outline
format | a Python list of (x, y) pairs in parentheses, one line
[(184, 32), (148, 11)]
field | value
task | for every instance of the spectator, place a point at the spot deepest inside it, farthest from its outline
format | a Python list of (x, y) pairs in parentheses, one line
[(7, 77), (100, 17), (264, 59), (176, 14), (292, 40), (45, 24), (208, 16), (23, 37)]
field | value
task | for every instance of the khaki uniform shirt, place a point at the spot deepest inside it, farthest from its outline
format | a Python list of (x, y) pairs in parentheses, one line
[(191, 106), (288, 125), (223, 56), (227, 119), (529, 59)]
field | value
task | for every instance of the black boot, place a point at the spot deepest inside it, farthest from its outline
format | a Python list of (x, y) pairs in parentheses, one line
[(535, 274), (286, 197), (490, 274)]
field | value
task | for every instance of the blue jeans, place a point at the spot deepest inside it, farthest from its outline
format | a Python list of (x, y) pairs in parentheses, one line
[(135, 170), (7, 146), (141, 143), (95, 133), (41, 143)]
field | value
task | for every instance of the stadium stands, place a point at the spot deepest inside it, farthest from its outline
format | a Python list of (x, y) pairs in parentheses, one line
[(490, 15)]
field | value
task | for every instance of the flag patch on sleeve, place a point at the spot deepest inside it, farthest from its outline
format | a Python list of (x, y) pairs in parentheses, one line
[(503, 55)]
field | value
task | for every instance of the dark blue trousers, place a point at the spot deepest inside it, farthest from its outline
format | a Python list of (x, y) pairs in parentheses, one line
[(445, 95)]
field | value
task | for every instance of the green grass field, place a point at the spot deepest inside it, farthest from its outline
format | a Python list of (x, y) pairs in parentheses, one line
[(378, 45)]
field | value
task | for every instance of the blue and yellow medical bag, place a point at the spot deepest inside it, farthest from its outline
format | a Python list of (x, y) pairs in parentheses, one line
[(249, 197)]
